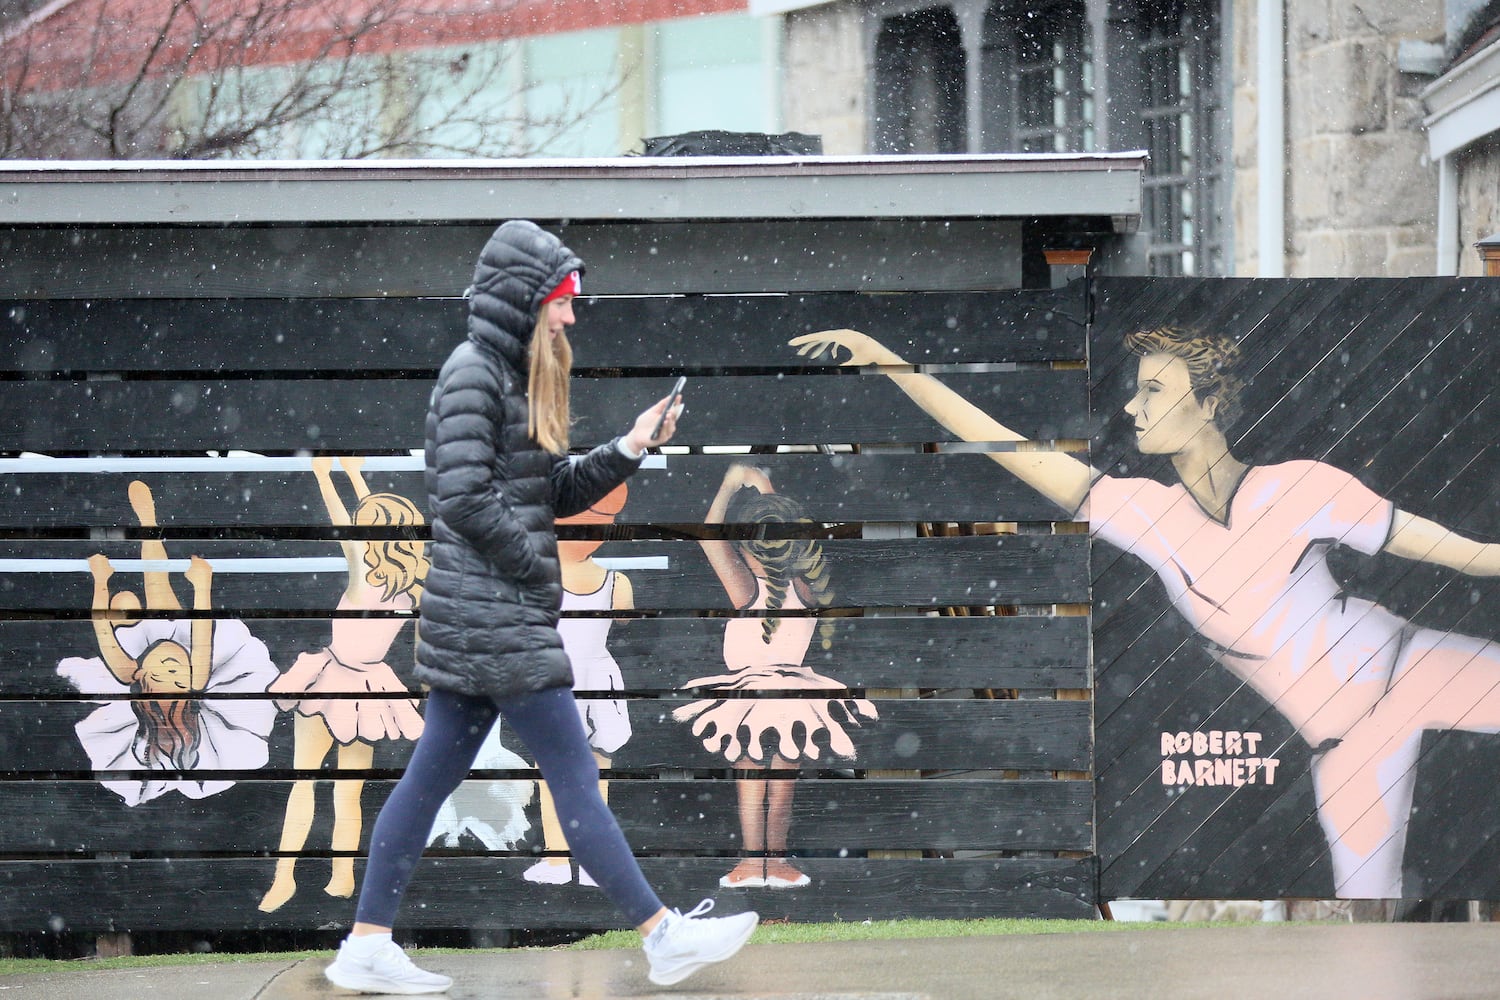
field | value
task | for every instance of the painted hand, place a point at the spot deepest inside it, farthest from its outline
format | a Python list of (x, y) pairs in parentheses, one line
[(748, 475), (861, 348)]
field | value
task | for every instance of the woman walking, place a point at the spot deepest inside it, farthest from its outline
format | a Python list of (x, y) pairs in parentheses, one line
[(498, 475)]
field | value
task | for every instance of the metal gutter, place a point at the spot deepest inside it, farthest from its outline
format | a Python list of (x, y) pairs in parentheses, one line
[(1464, 103)]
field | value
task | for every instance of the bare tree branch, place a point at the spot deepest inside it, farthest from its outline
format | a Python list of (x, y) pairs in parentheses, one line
[(339, 79)]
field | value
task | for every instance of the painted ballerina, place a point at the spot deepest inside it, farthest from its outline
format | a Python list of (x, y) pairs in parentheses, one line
[(588, 585), (1241, 550), (766, 653), (384, 576), (171, 667)]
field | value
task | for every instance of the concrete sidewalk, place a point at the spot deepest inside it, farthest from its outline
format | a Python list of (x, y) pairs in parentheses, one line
[(1280, 961)]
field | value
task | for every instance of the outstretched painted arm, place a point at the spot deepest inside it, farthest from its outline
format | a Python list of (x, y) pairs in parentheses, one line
[(1414, 537), (1060, 477), (201, 657)]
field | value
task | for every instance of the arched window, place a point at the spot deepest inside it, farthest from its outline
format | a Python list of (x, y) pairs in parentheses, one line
[(920, 104)]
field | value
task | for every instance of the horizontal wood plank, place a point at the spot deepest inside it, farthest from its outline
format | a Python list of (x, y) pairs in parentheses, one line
[(257, 575), (665, 653), (250, 492), (624, 332), (82, 817), (387, 414), (41, 737), (489, 893), (633, 258)]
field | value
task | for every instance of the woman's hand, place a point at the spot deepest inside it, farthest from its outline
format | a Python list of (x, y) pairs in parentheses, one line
[(861, 348), (639, 437)]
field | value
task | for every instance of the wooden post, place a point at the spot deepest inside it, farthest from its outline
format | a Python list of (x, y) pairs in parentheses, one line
[(1489, 252)]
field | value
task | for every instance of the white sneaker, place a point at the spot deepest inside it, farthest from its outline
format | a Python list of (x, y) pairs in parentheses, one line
[(388, 970), (683, 943)]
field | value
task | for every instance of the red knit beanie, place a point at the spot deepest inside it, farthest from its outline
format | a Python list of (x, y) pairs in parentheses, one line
[(571, 285)]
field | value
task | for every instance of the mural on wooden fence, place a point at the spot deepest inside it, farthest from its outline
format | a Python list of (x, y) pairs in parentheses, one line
[(1297, 499), (749, 655), (1241, 549), (1292, 651)]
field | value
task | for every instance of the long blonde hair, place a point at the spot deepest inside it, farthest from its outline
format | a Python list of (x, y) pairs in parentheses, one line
[(551, 360)]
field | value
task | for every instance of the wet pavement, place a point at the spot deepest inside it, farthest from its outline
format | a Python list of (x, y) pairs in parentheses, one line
[(1279, 961)]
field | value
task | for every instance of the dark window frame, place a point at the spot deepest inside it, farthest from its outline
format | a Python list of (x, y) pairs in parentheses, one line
[(921, 99), (1048, 83)]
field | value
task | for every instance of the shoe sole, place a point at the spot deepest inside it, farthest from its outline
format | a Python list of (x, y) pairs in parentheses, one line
[(359, 984), (729, 951)]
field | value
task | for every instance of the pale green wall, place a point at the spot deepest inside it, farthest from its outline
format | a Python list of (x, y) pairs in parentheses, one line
[(615, 85)]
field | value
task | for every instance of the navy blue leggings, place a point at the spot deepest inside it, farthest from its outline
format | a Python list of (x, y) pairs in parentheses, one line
[(455, 726)]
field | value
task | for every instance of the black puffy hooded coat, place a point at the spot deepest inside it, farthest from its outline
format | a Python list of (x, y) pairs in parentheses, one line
[(493, 593)]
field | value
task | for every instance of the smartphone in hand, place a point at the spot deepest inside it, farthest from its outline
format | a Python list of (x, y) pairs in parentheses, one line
[(672, 401)]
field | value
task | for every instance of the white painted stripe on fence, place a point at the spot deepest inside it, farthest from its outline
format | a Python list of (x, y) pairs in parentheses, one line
[(226, 463), (269, 564), (320, 564)]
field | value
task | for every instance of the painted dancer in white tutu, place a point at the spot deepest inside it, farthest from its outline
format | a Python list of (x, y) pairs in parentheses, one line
[(588, 585), (163, 663)]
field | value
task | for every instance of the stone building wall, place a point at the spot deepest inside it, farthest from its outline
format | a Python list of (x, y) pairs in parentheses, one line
[(827, 80), (1244, 187), (1361, 193), (1478, 200)]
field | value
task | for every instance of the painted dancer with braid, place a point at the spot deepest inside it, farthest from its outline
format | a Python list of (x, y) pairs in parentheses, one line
[(766, 653)]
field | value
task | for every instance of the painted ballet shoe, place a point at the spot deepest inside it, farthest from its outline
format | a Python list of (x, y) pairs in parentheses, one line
[(780, 875), (748, 874)]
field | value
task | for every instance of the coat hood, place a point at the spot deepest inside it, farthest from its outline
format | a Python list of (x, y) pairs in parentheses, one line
[(519, 265)]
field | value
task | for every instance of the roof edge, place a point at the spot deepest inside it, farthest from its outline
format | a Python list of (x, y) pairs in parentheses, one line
[(614, 189)]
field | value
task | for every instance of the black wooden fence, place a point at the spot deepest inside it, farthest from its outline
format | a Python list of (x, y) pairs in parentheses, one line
[(955, 602), (961, 618), (1391, 382)]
